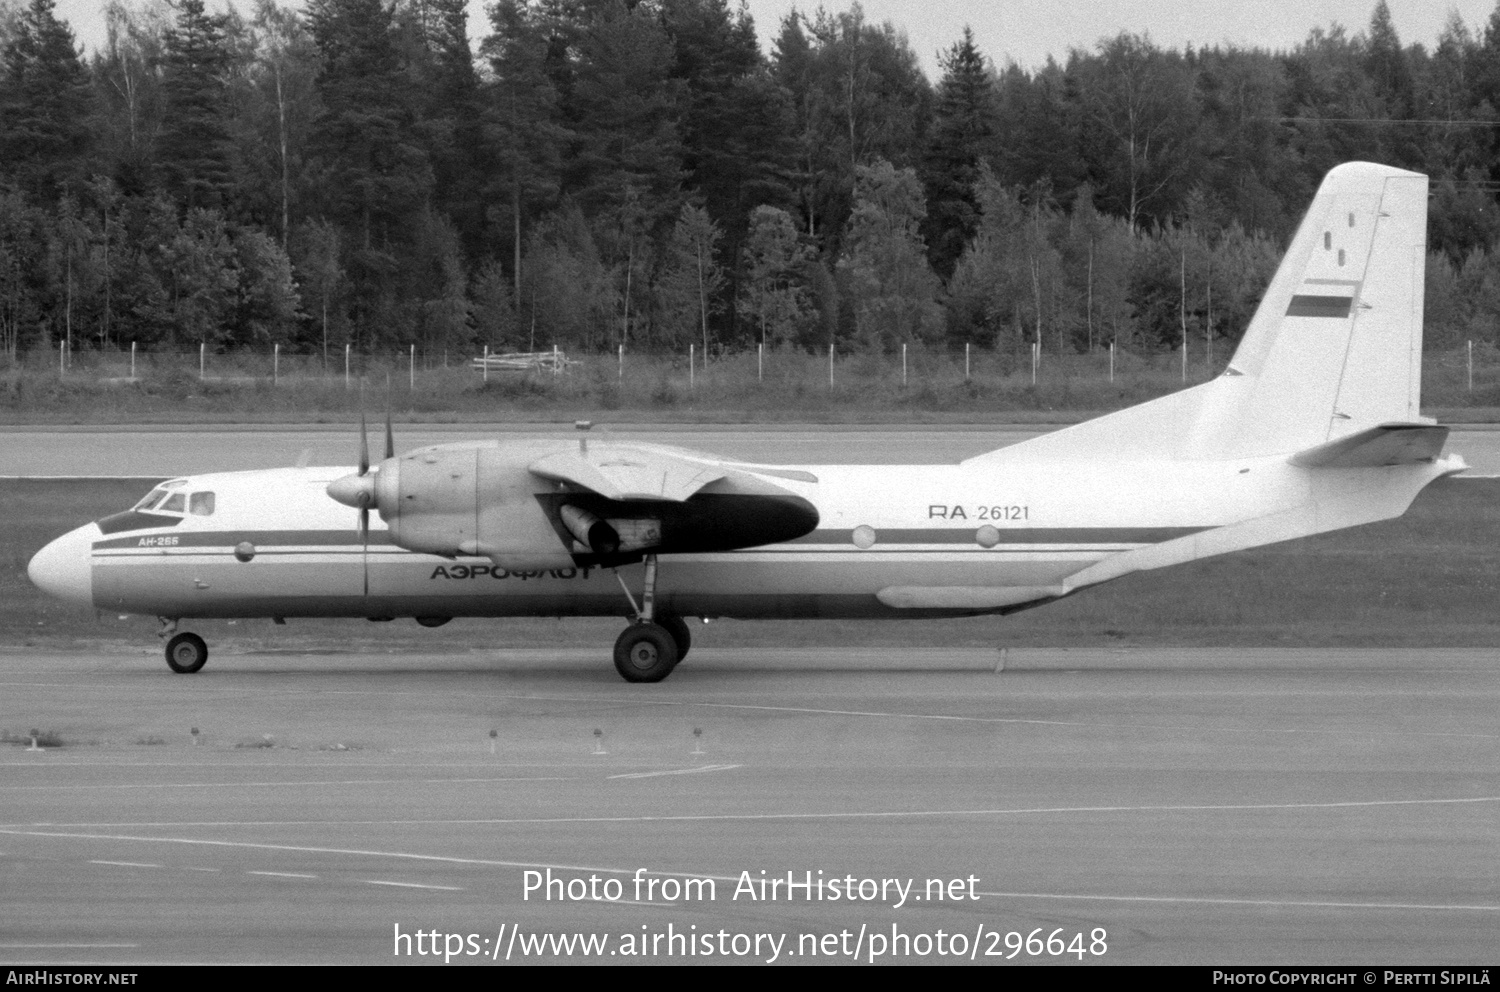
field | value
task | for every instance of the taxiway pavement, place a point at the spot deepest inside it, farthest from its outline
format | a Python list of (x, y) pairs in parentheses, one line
[(1217, 806)]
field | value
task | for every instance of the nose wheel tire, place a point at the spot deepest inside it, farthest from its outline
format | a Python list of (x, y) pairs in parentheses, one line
[(186, 653), (645, 652), (678, 628)]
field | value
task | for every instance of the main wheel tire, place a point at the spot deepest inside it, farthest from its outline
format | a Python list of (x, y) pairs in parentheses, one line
[(645, 652), (678, 628), (186, 653)]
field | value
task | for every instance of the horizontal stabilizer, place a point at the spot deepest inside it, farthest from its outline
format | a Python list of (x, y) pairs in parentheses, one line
[(624, 472), (1387, 444)]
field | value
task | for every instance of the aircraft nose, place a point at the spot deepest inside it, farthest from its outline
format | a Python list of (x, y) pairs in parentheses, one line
[(64, 568)]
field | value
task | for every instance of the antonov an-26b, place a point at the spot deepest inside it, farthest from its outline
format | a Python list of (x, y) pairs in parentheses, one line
[(1313, 426)]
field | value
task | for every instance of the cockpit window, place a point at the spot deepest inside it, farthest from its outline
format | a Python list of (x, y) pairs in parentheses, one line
[(201, 504), (174, 503), (157, 498), (150, 499)]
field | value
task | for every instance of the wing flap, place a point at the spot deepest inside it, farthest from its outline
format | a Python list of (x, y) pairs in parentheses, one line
[(1387, 444)]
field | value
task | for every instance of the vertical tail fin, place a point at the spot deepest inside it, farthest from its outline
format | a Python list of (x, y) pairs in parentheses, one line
[(1335, 346)]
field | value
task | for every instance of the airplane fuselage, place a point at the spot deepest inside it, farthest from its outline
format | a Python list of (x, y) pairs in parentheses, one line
[(934, 540)]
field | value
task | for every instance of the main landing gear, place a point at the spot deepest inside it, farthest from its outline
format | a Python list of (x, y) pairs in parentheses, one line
[(651, 646), (186, 653)]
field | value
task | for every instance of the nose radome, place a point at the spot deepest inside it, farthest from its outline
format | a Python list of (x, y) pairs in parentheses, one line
[(64, 568)]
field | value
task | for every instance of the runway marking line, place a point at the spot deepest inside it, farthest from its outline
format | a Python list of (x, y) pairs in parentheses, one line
[(288, 782), (1216, 901), (20, 830), (125, 864), (1045, 723), (64, 947), (281, 874), (1083, 897), (486, 862), (293, 764), (677, 771)]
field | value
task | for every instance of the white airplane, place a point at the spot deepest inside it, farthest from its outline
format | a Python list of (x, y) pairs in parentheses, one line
[(1313, 426)]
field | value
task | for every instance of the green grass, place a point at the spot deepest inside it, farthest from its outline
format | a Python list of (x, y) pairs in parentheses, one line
[(791, 387), (1430, 578)]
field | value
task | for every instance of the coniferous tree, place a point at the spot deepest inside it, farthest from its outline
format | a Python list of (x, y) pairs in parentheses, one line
[(735, 124), (859, 97), (45, 101), (194, 147), (376, 172), (774, 297), (688, 289), (523, 131), (962, 131)]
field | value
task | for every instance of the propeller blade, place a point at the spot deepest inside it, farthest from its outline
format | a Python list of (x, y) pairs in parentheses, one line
[(364, 540), (390, 437), (364, 443)]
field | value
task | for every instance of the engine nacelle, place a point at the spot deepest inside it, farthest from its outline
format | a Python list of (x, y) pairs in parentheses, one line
[(469, 500), (487, 499)]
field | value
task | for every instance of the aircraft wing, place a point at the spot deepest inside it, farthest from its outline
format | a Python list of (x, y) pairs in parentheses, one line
[(1387, 444), (626, 472)]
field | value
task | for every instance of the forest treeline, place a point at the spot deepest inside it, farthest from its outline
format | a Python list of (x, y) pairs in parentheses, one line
[(595, 173)]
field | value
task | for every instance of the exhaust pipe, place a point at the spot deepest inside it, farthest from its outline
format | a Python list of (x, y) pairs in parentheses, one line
[(592, 533)]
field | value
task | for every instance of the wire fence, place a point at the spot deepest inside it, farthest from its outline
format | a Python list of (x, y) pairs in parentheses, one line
[(1107, 377)]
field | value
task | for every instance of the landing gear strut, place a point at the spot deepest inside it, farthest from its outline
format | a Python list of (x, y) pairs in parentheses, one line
[(647, 651)]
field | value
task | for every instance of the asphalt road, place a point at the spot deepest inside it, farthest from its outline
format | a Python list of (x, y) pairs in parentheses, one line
[(1213, 806), (158, 453)]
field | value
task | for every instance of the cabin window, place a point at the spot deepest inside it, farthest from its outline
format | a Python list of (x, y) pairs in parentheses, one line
[(201, 504), (1327, 240)]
